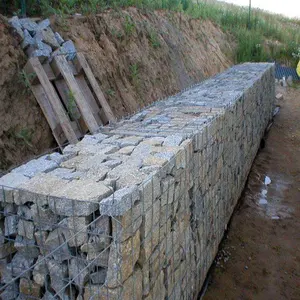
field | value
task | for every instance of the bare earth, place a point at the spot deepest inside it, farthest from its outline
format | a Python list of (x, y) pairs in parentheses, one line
[(260, 258)]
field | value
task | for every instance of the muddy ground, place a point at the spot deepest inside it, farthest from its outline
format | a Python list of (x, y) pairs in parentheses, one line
[(260, 256)]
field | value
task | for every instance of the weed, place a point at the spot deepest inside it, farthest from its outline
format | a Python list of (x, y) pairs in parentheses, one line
[(129, 26), (264, 26), (116, 33), (72, 107), (154, 40), (25, 80), (110, 92), (25, 135), (134, 73)]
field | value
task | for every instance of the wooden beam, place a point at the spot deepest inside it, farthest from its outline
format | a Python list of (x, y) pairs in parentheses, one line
[(49, 114), (71, 106), (83, 106), (89, 98), (49, 90), (95, 86)]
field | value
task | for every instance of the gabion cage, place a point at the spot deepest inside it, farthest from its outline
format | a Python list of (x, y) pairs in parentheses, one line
[(138, 210)]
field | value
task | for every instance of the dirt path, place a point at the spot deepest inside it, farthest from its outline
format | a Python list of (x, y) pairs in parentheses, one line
[(262, 249)]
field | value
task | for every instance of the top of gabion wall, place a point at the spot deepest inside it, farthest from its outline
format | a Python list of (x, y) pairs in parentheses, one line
[(108, 170)]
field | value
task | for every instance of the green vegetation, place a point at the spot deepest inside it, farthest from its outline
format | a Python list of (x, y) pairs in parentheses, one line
[(25, 135), (25, 80), (129, 26), (134, 73), (154, 39), (266, 37)]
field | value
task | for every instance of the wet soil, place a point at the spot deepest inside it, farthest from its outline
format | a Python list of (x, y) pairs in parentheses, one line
[(260, 255)]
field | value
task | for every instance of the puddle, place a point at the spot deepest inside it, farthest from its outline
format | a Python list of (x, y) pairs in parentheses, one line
[(268, 192)]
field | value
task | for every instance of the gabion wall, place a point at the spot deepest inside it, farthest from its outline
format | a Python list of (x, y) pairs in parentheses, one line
[(138, 210)]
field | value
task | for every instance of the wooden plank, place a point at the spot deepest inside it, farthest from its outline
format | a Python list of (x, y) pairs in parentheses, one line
[(103, 117), (49, 72), (57, 72), (49, 90), (70, 105), (83, 106), (88, 95), (95, 86), (49, 114)]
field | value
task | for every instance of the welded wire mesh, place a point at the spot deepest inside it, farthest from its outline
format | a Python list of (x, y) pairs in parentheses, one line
[(153, 240)]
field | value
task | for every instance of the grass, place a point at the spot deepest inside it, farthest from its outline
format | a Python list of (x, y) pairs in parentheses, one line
[(266, 37), (129, 26), (25, 135), (134, 73)]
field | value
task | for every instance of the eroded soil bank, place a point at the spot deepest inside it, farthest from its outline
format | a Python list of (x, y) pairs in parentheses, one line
[(137, 57), (260, 259)]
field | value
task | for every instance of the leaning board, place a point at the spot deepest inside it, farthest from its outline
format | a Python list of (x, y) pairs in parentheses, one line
[(69, 96)]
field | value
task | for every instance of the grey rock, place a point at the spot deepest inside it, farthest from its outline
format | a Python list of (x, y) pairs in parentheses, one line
[(78, 198), (95, 256), (58, 276), (5, 275), (78, 272), (7, 249), (36, 166), (99, 234), (130, 141), (10, 209), (68, 48), (15, 23), (43, 24), (126, 226), (67, 174), (173, 140), (11, 225), (38, 189), (25, 212), (40, 271), (40, 50), (48, 296), (93, 139), (7, 183), (56, 245), (75, 230), (27, 40), (57, 157), (29, 25), (11, 292), (47, 36), (43, 217), (26, 229), (59, 39), (139, 117), (120, 202), (20, 265), (99, 276), (26, 247), (40, 237), (2, 237), (112, 163)]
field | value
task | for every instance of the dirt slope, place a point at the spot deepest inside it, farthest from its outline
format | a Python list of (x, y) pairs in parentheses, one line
[(23, 129), (137, 58), (263, 244), (141, 57)]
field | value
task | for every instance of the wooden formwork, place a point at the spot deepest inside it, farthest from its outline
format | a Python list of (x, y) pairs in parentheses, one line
[(69, 96)]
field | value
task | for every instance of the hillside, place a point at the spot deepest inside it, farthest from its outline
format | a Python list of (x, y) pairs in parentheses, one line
[(137, 58), (138, 54)]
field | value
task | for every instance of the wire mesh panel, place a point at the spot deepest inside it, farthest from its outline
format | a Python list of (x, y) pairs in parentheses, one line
[(137, 215)]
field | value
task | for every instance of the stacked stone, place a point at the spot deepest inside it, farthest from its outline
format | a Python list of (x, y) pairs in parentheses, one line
[(138, 210), (39, 40)]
